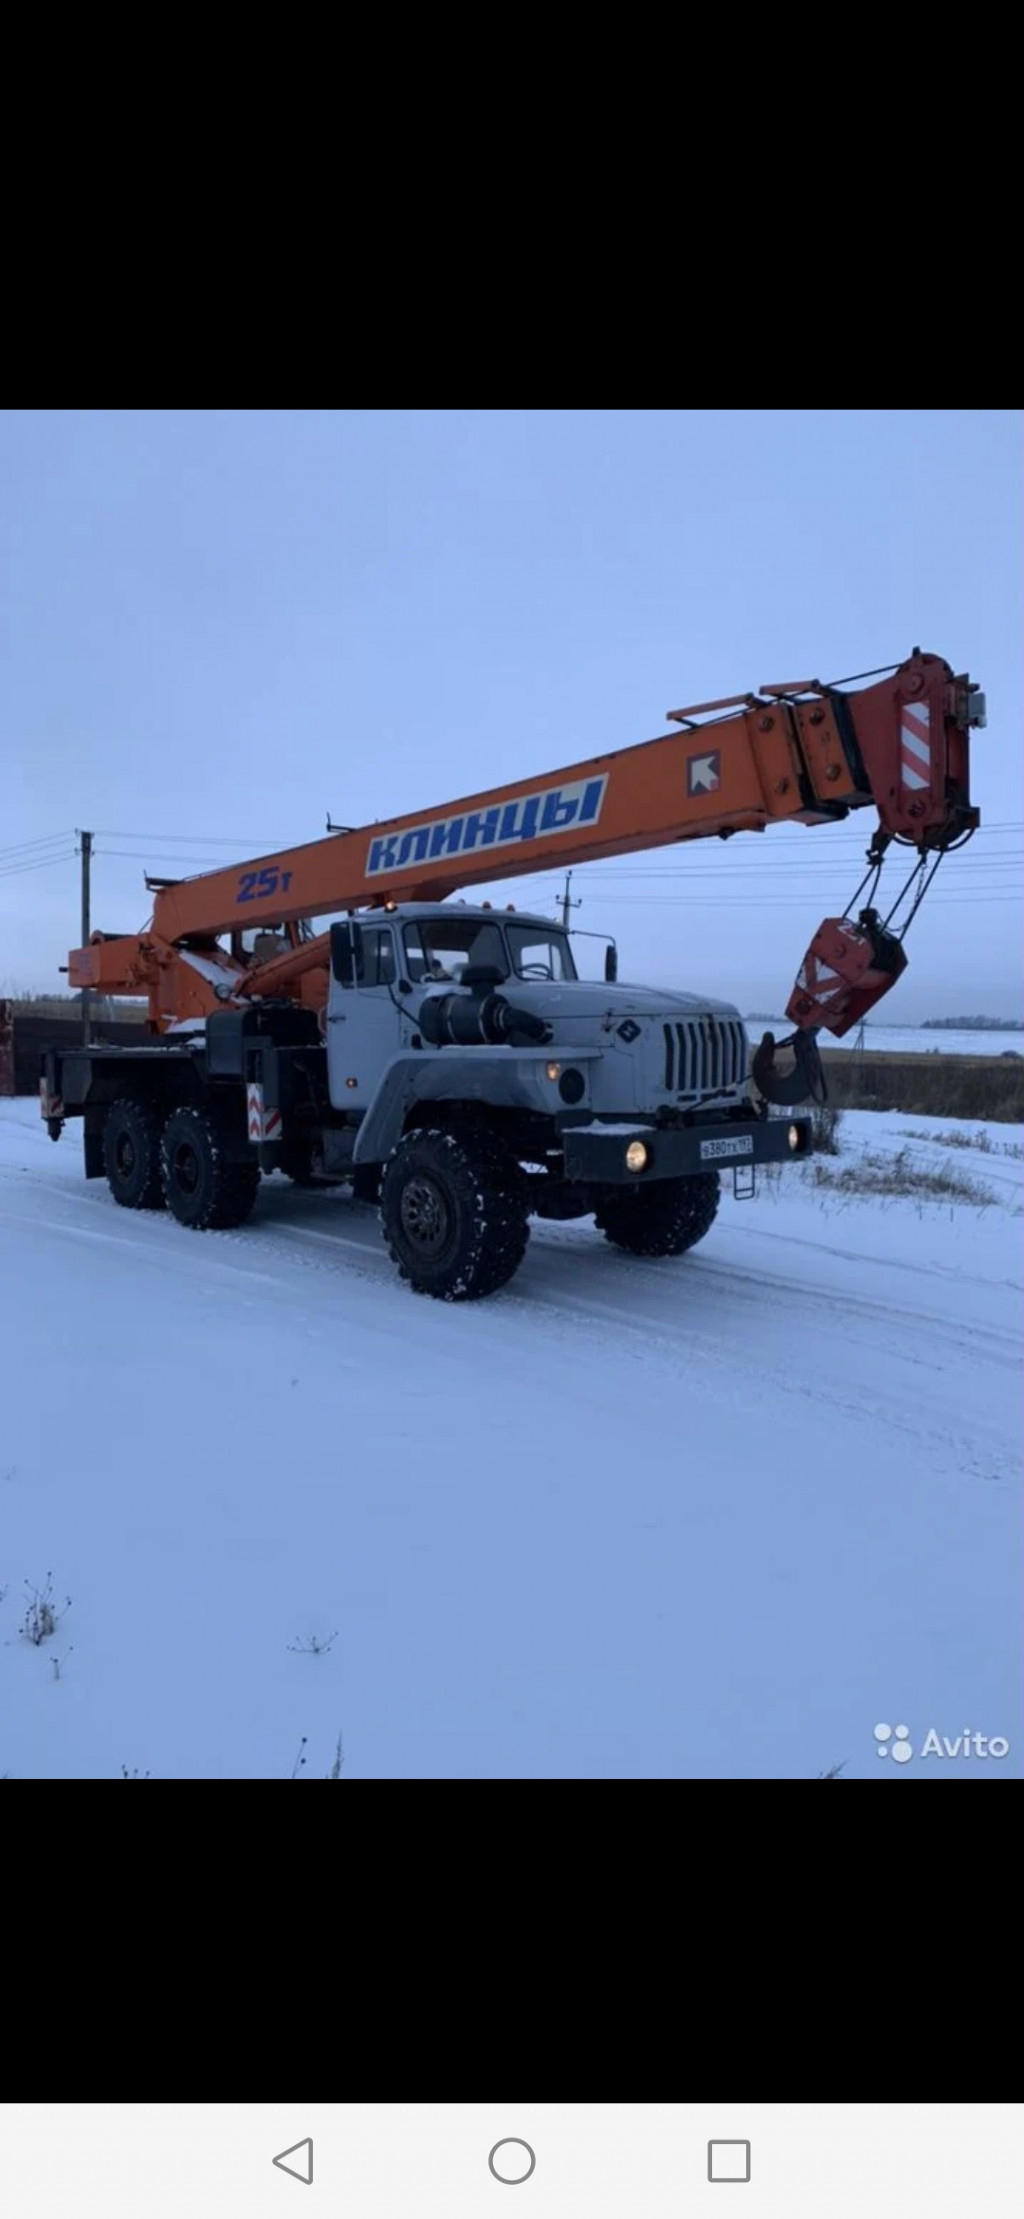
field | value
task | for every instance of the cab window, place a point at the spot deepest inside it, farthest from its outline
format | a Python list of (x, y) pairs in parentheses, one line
[(263, 942), (378, 956)]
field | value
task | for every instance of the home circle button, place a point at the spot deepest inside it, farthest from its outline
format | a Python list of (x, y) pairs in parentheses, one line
[(511, 2161)]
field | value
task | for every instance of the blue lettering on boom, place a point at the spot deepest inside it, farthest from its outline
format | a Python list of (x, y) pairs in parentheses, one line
[(531, 817)]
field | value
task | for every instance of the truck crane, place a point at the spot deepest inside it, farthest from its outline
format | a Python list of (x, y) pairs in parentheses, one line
[(447, 1056)]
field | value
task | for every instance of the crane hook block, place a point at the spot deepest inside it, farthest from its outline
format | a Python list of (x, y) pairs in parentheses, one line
[(847, 969)]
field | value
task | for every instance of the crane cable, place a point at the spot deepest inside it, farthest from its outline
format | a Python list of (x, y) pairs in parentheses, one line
[(807, 1080)]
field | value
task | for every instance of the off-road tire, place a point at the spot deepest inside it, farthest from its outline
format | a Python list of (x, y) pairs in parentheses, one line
[(131, 1155), (204, 1189), (663, 1219), (453, 1208)]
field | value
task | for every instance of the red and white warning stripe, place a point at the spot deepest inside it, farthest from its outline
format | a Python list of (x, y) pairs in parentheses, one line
[(264, 1124), (820, 980), (915, 748)]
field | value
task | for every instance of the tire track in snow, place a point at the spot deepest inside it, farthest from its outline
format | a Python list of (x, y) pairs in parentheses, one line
[(595, 1267), (734, 1362), (697, 1313)]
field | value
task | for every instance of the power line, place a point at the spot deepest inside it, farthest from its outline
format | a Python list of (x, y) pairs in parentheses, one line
[(769, 902), (608, 885), (165, 855), (694, 897), (733, 874), (768, 859), (47, 864), (845, 832), (190, 839), (692, 875), (27, 847)]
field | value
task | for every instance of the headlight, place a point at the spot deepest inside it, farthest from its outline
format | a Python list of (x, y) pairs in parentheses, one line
[(553, 1070), (794, 1136), (637, 1156), (572, 1085)]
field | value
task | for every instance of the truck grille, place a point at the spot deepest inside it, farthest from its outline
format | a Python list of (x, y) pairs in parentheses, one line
[(705, 1055)]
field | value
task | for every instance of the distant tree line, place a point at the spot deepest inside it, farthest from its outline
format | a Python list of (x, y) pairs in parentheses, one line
[(973, 1024), (929, 1024)]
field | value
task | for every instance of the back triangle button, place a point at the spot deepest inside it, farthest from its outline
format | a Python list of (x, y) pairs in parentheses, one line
[(302, 2169)]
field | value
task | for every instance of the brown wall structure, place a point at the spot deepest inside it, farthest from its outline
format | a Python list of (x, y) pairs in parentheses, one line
[(927, 1085), (33, 1034), (6, 1047)]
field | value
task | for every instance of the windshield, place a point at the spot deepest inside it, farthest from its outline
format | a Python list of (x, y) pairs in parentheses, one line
[(443, 947), (539, 952)]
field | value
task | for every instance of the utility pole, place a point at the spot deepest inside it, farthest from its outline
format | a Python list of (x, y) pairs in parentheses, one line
[(86, 854), (566, 903), (859, 1067)]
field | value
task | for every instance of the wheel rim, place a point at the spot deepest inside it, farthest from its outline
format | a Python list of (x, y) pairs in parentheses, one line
[(186, 1168), (425, 1215), (124, 1156)]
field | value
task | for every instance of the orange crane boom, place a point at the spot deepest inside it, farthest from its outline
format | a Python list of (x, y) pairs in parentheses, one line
[(806, 753)]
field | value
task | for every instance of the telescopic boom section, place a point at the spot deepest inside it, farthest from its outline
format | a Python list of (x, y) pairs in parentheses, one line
[(805, 752)]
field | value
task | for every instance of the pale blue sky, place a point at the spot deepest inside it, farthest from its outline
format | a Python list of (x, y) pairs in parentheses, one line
[(220, 624)]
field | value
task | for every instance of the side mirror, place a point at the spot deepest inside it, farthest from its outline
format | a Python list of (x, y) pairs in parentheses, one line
[(611, 963), (347, 953)]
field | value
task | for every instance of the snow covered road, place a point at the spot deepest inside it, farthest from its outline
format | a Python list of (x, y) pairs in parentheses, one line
[(709, 1518)]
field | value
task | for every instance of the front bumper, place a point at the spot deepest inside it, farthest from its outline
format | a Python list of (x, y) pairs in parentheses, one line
[(597, 1153)]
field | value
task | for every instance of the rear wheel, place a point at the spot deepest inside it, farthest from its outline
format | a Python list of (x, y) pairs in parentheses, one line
[(131, 1155), (204, 1189), (453, 1207), (663, 1219)]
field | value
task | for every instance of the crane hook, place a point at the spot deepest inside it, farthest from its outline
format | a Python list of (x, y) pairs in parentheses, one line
[(805, 1083)]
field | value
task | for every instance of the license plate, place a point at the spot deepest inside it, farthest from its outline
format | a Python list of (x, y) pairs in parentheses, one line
[(743, 1147)]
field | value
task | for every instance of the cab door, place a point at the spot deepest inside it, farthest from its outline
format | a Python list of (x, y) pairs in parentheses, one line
[(363, 1018)]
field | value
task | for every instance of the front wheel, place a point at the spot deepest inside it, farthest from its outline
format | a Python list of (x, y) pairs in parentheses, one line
[(204, 1188), (453, 1208), (663, 1219)]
